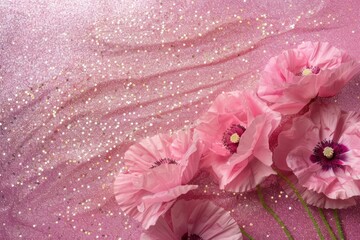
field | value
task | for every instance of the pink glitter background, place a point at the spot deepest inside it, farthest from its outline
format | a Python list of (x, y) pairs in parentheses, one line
[(80, 81)]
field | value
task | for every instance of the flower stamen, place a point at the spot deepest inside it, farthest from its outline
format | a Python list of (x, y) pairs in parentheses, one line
[(231, 137), (163, 161), (234, 138), (309, 71), (328, 152), (306, 72)]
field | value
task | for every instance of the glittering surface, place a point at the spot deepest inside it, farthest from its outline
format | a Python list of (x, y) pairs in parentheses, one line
[(80, 81)]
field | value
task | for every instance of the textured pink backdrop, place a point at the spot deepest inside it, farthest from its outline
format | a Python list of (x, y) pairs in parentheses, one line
[(80, 81)]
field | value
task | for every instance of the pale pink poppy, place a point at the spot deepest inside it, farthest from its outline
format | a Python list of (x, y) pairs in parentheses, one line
[(158, 171), (195, 220), (322, 150), (292, 79), (236, 130)]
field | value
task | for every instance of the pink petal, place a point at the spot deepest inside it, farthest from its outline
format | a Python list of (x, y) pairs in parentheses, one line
[(167, 195), (326, 117), (316, 199), (321, 201), (143, 154), (160, 231), (294, 137), (181, 143), (248, 177), (324, 55), (212, 163), (191, 162), (233, 168), (153, 206), (353, 163), (265, 125), (350, 133), (205, 219), (298, 160), (162, 177), (332, 81)]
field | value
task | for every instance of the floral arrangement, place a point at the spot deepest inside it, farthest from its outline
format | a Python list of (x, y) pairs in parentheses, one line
[(281, 128)]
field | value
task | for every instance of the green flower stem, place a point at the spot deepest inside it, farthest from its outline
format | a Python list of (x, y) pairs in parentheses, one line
[(338, 225), (323, 218), (303, 203), (246, 234), (273, 214)]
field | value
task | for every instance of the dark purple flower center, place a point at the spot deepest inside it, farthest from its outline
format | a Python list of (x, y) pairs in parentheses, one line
[(232, 136), (163, 161), (308, 70), (329, 154), (186, 236)]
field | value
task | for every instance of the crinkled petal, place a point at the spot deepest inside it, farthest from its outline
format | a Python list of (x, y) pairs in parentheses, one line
[(183, 140), (265, 126), (167, 195), (245, 105), (128, 192), (191, 162), (160, 231), (350, 132), (163, 177), (248, 177), (212, 163), (146, 197), (153, 206), (352, 163), (313, 198), (326, 117), (142, 155), (292, 137), (204, 219), (333, 80), (323, 55)]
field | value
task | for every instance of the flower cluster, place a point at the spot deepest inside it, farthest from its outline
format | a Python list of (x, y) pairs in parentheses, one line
[(318, 149)]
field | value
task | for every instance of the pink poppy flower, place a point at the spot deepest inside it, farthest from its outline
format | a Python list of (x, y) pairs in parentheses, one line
[(236, 129), (159, 170), (195, 220), (322, 150), (290, 80)]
